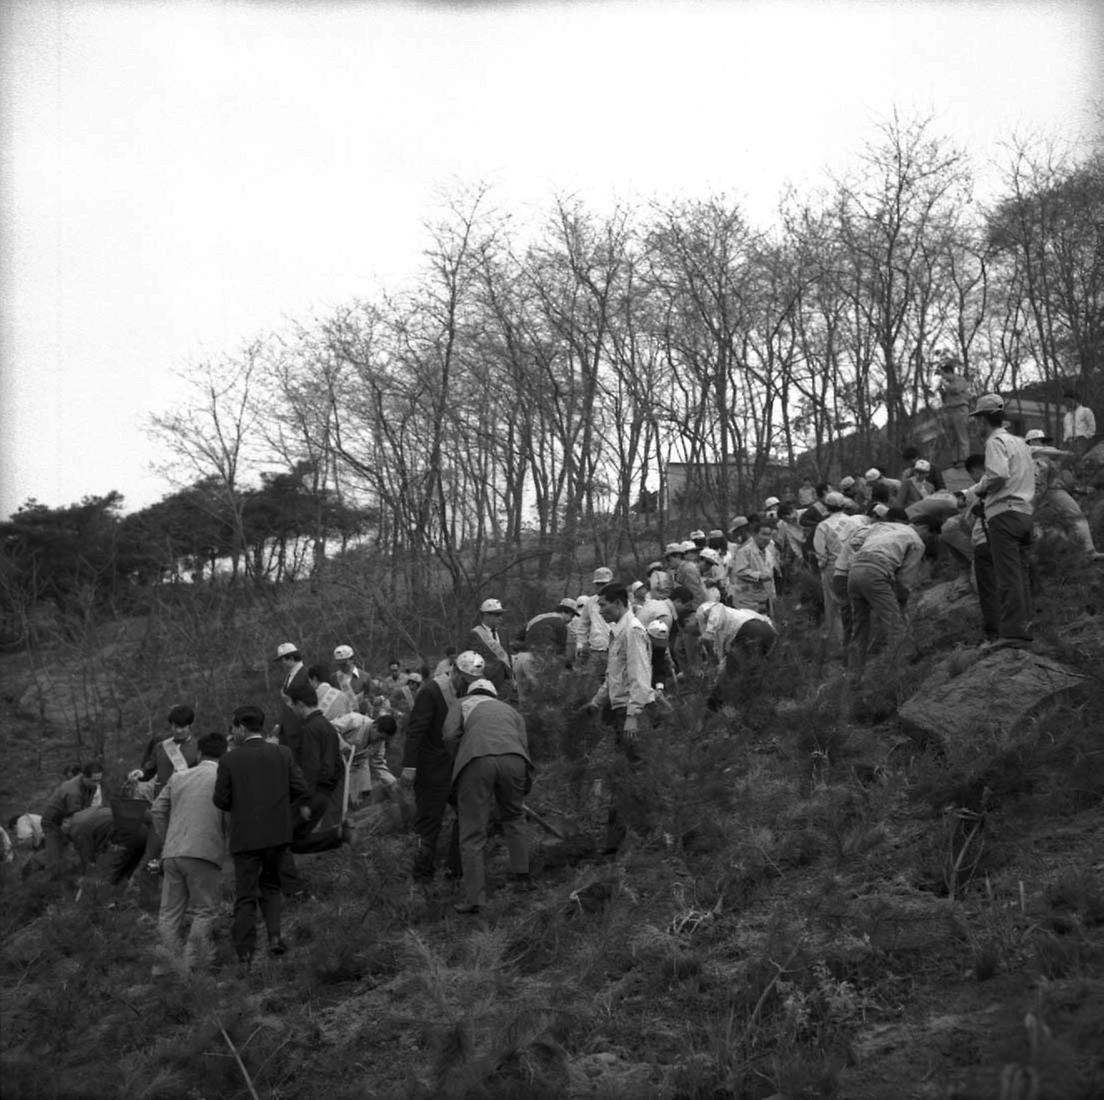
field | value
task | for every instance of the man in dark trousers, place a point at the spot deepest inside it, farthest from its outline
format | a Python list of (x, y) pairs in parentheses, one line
[(1007, 489), (492, 769), (427, 762), (290, 661), (319, 759), (257, 783)]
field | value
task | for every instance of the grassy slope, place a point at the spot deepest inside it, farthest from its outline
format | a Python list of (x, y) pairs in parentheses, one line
[(779, 925)]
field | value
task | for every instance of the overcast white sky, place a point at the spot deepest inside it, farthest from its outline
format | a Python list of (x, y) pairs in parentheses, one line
[(179, 177)]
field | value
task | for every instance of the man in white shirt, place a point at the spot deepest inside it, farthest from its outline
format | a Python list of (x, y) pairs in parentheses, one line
[(741, 640), (1078, 424), (194, 834), (1007, 489), (625, 692), (954, 391), (882, 574), (1054, 507), (331, 702), (751, 572), (828, 537)]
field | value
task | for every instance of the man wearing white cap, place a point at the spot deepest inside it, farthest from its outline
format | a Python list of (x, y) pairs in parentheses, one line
[(828, 538), (713, 574), (427, 762), (1054, 507), (916, 484), (486, 640), (349, 679), (688, 572), (593, 631), (492, 768), (883, 490), (659, 638), (770, 507), (295, 675)]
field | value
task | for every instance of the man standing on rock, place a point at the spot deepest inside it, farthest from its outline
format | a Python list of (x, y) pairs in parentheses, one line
[(1007, 490), (257, 784), (427, 762), (954, 391), (625, 692)]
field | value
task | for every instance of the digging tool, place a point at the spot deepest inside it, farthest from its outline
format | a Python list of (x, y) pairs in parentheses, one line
[(534, 816), (348, 761)]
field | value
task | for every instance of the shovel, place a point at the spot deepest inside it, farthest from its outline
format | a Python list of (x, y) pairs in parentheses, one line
[(348, 760), (547, 825)]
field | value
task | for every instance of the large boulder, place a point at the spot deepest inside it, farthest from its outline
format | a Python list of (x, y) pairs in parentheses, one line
[(998, 691), (949, 602)]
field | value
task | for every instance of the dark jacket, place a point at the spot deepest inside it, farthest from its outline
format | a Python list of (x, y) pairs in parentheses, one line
[(290, 723), (68, 798), (257, 784), (319, 756), (158, 763), (424, 749)]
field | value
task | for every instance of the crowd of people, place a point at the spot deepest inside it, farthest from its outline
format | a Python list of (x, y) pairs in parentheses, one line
[(708, 605)]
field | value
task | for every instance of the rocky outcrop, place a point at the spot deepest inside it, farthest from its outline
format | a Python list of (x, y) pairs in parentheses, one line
[(998, 691), (946, 602)]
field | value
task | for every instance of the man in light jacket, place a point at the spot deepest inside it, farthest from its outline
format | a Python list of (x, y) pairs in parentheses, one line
[(625, 692), (193, 832), (492, 767)]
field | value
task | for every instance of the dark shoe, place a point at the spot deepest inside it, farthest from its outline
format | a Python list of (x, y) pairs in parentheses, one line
[(521, 883), (348, 832), (277, 947), (245, 963), (465, 909)]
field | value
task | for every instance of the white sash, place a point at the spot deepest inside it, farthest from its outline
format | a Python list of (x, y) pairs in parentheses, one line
[(176, 757)]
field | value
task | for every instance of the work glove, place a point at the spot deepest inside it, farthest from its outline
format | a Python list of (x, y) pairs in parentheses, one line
[(408, 775)]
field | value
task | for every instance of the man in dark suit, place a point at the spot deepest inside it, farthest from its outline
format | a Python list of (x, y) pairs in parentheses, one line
[(295, 675), (319, 759), (257, 784)]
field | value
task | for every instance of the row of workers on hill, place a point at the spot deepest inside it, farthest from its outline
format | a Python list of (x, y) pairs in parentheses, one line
[(709, 599)]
